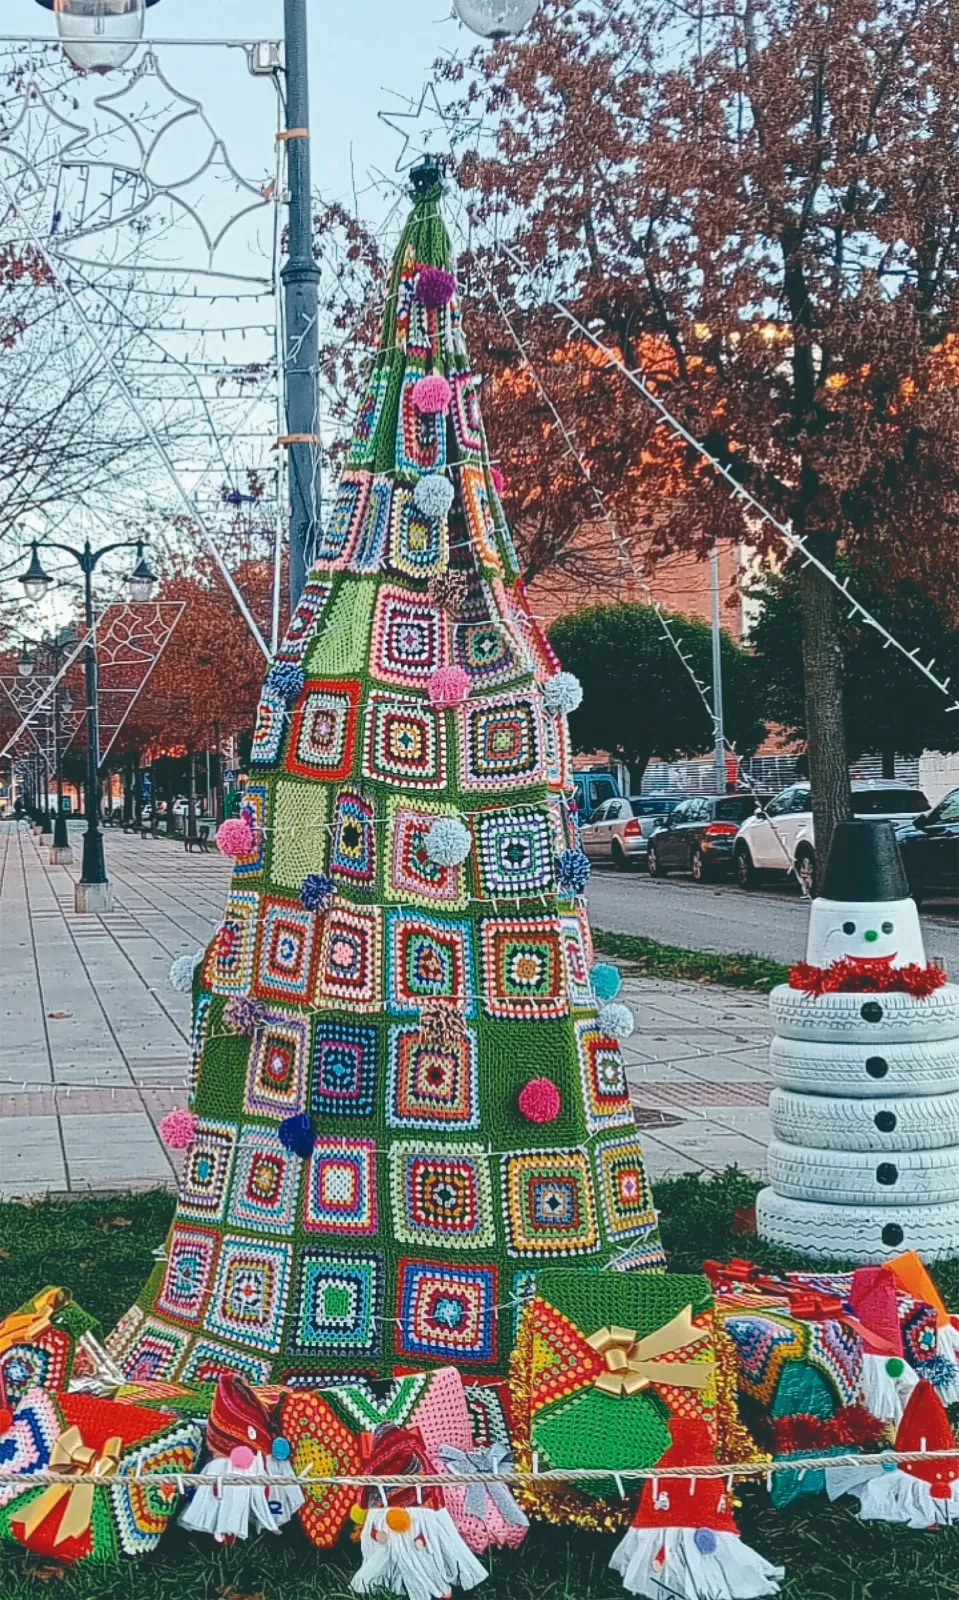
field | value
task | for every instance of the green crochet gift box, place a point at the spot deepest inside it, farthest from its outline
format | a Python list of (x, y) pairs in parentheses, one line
[(603, 1360)]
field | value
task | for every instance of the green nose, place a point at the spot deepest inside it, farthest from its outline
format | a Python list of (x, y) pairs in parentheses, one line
[(870, 936)]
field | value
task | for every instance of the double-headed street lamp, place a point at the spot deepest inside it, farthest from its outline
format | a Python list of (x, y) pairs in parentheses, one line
[(53, 649), (93, 892)]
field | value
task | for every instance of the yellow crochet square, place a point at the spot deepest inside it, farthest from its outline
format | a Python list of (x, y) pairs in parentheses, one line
[(300, 840)]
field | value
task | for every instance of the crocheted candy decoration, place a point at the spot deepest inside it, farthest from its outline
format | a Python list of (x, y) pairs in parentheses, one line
[(432, 396), (607, 980), (539, 1100), (177, 1129), (617, 1021), (433, 495), (449, 590), (562, 693), (435, 287), (449, 686), (448, 842), (572, 871), (234, 837), (441, 1027), (243, 1014), (285, 678), (317, 891), (182, 970)]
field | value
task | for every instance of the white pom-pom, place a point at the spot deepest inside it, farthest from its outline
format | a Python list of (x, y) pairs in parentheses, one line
[(616, 1020), (182, 970), (433, 496), (562, 693), (448, 842)]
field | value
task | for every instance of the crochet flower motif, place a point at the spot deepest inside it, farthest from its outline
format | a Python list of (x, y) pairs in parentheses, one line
[(243, 1014)]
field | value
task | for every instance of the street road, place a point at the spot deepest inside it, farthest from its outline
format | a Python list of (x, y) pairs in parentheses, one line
[(722, 918)]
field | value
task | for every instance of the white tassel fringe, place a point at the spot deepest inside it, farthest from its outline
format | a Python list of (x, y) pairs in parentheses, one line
[(732, 1571), (424, 1563)]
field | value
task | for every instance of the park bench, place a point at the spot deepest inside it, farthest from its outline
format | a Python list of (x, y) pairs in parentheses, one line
[(148, 830)]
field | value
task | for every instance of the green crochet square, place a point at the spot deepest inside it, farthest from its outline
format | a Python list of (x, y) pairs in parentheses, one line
[(299, 842)]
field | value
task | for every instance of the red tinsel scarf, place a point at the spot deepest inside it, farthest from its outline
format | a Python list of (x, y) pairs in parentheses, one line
[(851, 1426), (853, 976)]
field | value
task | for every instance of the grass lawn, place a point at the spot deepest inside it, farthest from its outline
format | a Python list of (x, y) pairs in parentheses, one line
[(101, 1250), (648, 958)]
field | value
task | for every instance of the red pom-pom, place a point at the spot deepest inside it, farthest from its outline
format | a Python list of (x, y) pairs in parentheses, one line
[(435, 287), (499, 482), (177, 1129), (432, 395), (235, 837), (449, 686), (539, 1100)]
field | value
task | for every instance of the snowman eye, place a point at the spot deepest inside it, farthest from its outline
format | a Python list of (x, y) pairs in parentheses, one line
[(887, 927), (251, 1433), (849, 927)]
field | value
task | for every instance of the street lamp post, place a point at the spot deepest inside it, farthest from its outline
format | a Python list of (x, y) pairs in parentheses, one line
[(93, 892)]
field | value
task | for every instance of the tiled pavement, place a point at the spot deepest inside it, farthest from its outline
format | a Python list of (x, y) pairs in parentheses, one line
[(94, 1041)]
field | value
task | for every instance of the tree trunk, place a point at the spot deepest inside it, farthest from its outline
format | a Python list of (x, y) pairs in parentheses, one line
[(191, 795), (889, 763), (168, 788), (218, 774), (129, 779), (637, 761), (137, 791), (825, 733)]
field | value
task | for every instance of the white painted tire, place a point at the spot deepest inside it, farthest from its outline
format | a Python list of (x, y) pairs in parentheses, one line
[(887, 1067), (922, 1122), (865, 1018), (860, 1234), (872, 1178)]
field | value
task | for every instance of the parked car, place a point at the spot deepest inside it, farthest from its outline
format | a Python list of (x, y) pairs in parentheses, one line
[(620, 829), (698, 835), (783, 838), (930, 850), (591, 790)]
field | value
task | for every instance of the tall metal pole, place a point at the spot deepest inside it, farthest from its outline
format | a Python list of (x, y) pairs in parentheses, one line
[(93, 891), (719, 739), (61, 851), (300, 276)]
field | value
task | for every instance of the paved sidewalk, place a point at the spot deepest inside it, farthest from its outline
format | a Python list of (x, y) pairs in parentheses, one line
[(94, 1041)]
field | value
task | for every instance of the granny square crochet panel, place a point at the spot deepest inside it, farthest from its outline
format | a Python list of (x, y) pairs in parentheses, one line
[(398, 958)]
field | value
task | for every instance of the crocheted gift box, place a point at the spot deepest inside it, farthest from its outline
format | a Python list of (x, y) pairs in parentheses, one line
[(590, 1378), (75, 1433), (39, 1344)]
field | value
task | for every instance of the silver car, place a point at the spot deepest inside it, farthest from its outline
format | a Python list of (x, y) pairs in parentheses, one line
[(619, 829)]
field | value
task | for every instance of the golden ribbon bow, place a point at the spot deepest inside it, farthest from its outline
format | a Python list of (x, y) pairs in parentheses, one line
[(632, 1364), (22, 1326), (70, 1455)]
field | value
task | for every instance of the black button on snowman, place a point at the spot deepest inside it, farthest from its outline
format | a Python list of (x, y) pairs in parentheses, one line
[(850, 1174)]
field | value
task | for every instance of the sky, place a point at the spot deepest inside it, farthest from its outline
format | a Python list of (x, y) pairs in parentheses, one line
[(365, 57)]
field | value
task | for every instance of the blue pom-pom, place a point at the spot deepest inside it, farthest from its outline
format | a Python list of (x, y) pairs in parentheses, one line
[(572, 871), (607, 980), (317, 891), (296, 1135), (280, 1449), (937, 1370), (705, 1541), (286, 679)]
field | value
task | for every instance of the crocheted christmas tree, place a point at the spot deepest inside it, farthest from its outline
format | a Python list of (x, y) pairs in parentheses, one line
[(405, 1100)]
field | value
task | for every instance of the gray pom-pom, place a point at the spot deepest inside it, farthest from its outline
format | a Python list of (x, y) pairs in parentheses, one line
[(616, 1020), (182, 970), (448, 842), (562, 693), (433, 496)]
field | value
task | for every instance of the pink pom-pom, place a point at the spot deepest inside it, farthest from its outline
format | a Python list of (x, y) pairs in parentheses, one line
[(432, 395), (499, 482), (449, 686), (242, 1457), (434, 287), (177, 1129), (539, 1100), (235, 837)]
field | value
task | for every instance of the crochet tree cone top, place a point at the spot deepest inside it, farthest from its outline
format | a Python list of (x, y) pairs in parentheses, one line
[(404, 948)]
